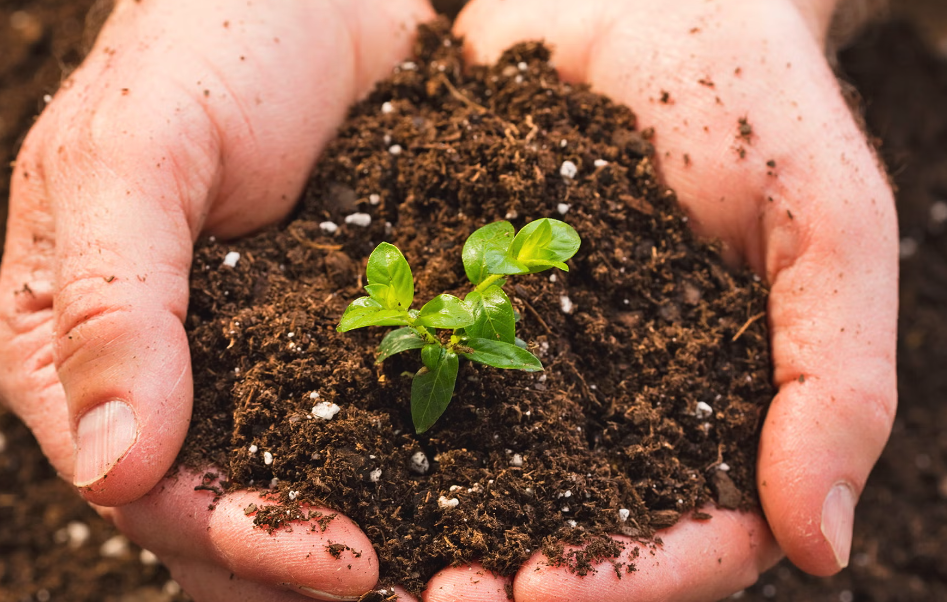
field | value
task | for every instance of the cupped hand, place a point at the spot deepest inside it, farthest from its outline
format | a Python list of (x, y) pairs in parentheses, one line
[(186, 118), (754, 135)]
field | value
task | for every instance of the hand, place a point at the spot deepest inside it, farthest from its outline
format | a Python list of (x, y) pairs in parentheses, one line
[(186, 118), (818, 223)]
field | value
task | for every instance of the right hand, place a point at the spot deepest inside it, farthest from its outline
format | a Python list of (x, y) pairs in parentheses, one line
[(185, 119)]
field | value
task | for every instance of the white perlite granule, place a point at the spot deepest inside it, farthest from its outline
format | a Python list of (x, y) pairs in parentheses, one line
[(114, 547), (566, 304), (563, 208), (267, 458), (231, 259), (623, 514), (600, 163), (148, 558), (77, 533), (447, 503), (325, 410), (516, 461), (568, 169), (387, 107), (329, 227), (359, 219), (374, 475), (419, 462), (703, 410)]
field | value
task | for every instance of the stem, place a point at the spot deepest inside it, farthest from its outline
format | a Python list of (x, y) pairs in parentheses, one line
[(487, 282), (422, 332)]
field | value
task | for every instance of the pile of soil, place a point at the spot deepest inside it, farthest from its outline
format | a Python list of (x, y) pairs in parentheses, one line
[(657, 370)]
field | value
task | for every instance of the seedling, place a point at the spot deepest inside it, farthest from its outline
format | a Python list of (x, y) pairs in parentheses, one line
[(483, 323)]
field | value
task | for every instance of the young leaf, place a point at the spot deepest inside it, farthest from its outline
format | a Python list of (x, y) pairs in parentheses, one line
[(387, 266), (431, 354), (485, 252), (366, 311), (445, 311), (502, 355), (431, 390), (397, 341), (493, 315), (545, 243)]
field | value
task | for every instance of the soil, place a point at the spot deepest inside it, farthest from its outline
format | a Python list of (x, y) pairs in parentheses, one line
[(899, 541), (435, 152)]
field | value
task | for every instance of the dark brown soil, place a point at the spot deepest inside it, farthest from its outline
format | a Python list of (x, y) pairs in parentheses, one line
[(657, 326), (899, 541)]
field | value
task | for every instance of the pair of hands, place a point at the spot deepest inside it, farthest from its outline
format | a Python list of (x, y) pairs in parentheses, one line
[(185, 116)]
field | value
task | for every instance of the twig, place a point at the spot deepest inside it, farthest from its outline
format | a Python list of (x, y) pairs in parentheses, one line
[(456, 94), (747, 325)]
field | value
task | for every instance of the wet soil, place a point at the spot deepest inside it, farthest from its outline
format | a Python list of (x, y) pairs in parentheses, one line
[(898, 549), (656, 356)]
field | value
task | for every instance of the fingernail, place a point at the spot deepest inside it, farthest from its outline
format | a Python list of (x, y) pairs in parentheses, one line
[(104, 435), (838, 519), (308, 591)]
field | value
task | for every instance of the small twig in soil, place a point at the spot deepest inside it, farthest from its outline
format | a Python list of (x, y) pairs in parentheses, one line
[(459, 96), (536, 314), (313, 245), (747, 325)]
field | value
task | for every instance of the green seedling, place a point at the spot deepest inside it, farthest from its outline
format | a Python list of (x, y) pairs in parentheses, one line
[(483, 324)]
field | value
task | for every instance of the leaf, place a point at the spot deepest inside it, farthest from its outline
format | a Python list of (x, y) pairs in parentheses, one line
[(366, 311), (431, 354), (431, 390), (494, 318), (387, 266), (486, 252), (445, 311), (545, 243), (502, 355), (398, 341)]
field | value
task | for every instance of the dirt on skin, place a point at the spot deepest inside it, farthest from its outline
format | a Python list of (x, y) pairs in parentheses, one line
[(656, 356)]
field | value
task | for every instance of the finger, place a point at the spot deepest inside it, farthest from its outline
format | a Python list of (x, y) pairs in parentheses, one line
[(471, 583), (210, 583), (800, 198), (696, 562), (113, 169), (297, 556)]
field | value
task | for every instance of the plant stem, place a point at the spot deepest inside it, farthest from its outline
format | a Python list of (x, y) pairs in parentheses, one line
[(422, 332), (489, 280)]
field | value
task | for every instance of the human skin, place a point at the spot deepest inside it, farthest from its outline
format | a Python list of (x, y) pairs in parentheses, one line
[(133, 160)]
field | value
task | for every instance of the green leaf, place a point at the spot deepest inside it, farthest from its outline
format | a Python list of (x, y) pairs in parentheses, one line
[(502, 355), (494, 318), (366, 311), (431, 390), (445, 311), (486, 252), (431, 354), (545, 243), (387, 266), (398, 341)]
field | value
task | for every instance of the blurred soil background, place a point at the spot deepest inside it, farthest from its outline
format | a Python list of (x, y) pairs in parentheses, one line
[(53, 547)]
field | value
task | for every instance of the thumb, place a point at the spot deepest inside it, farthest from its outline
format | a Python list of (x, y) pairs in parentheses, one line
[(132, 160)]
